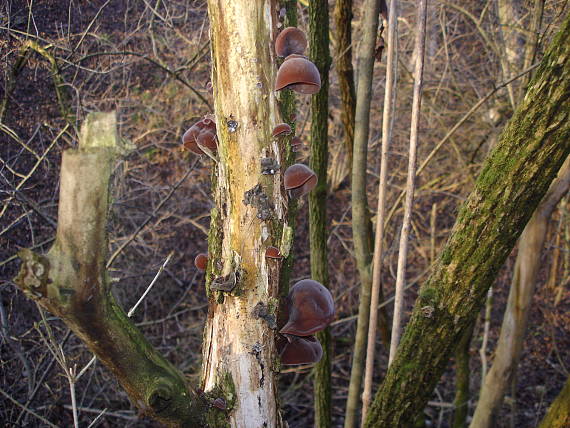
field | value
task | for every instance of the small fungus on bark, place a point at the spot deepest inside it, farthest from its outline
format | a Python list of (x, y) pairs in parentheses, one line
[(201, 261), (290, 41), (220, 403), (281, 130), (201, 135), (301, 350), (299, 180), (296, 144), (273, 253)]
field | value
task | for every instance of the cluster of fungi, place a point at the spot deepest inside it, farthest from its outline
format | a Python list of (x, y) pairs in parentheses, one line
[(309, 305)]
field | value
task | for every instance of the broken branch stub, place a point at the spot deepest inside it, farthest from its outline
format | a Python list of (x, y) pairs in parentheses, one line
[(71, 282)]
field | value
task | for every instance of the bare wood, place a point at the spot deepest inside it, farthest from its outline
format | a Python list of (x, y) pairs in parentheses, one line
[(238, 347)]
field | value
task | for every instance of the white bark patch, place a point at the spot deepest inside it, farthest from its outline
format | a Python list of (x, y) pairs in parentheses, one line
[(236, 340)]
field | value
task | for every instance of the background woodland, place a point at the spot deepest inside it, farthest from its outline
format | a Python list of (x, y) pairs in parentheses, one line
[(150, 61)]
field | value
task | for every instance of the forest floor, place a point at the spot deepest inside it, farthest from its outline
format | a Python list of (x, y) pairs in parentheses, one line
[(148, 60)]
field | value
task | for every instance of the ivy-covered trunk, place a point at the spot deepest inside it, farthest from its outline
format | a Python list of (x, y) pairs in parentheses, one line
[(513, 180), (242, 284)]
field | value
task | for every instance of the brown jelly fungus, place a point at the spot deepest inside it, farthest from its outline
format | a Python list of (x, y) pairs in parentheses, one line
[(310, 307)]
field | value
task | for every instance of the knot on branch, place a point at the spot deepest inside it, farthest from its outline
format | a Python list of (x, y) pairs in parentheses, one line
[(160, 398), (33, 275)]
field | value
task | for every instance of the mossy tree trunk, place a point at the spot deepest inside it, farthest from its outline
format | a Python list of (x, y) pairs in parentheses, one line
[(250, 210), (319, 54), (513, 180), (71, 282)]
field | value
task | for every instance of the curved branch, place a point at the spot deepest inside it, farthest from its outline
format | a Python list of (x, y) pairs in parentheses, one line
[(71, 282)]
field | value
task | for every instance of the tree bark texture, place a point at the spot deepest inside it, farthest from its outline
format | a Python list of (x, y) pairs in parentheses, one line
[(558, 415), (462, 377), (71, 282), (288, 110), (511, 184), (319, 54), (511, 339), (249, 215), (361, 225), (343, 20)]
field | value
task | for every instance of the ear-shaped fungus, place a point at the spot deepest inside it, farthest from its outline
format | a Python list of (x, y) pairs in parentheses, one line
[(202, 133), (273, 253), (299, 180), (281, 130), (311, 308), (290, 41), (301, 350), (201, 261), (296, 144), (299, 74)]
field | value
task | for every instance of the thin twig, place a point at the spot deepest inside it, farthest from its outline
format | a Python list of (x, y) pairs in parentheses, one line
[(136, 305), (174, 74), (151, 216), (386, 302), (90, 25), (410, 185), (452, 131), (387, 128), (25, 409), (132, 310)]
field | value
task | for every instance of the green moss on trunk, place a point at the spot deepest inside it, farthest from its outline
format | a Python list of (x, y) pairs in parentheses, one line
[(514, 178), (319, 54)]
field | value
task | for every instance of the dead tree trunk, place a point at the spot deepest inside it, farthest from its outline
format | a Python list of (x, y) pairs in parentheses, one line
[(249, 213), (512, 182)]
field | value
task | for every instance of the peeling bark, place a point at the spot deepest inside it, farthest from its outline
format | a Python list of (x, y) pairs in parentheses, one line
[(238, 347)]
